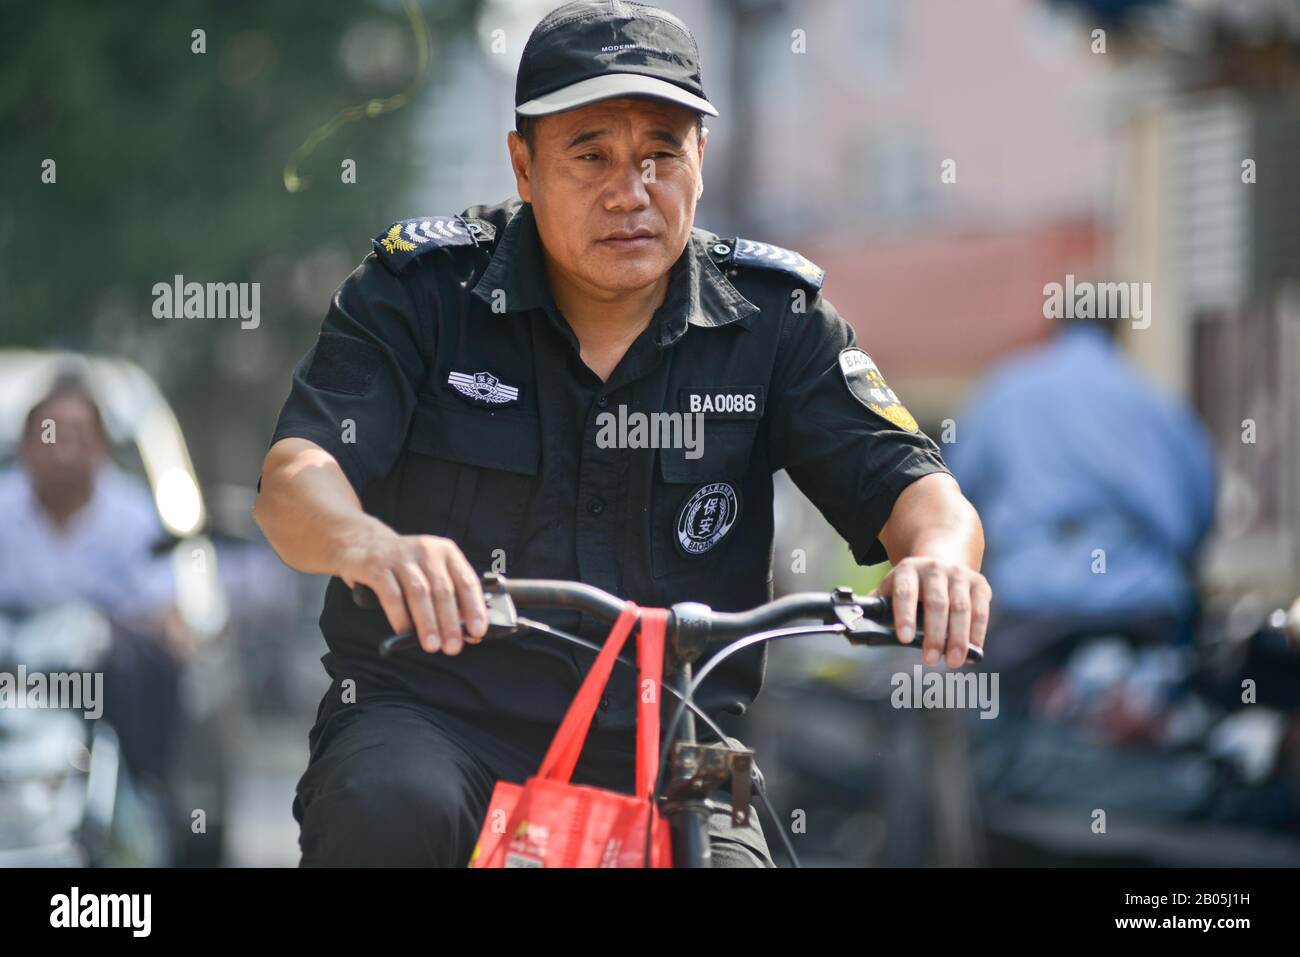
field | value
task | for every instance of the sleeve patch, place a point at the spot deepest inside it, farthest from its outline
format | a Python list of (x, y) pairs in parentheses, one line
[(748, 252), (343, 364), (867, 385), (405, 240)]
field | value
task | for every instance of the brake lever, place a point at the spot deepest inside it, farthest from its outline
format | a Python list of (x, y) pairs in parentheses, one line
[(861, 630)]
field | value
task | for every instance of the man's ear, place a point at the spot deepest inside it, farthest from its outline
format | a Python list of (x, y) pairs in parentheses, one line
[(704, 140), (521, 163)]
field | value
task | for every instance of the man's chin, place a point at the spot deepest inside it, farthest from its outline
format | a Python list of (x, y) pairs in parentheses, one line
[(627, 270)]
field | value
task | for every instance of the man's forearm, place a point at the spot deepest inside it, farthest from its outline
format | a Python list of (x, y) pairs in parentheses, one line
[(308, 509), (932, 519), (313, 519), (936, 542)]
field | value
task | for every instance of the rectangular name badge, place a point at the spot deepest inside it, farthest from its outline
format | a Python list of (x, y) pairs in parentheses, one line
[(724, 402)]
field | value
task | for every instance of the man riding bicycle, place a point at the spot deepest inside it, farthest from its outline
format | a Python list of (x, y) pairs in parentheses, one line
[(477, 401)]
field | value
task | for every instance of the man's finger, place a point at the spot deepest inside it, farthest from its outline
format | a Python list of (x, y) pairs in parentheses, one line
[(444, 605), (903, 588), (959, 621), (469, 596), (934, 596), (389, 592), (981, 599), (415, 584)]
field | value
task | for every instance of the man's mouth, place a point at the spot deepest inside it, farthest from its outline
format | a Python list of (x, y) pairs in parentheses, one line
[(628, 239)]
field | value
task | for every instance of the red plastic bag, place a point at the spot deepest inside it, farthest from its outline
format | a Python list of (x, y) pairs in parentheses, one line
[(548, 822)]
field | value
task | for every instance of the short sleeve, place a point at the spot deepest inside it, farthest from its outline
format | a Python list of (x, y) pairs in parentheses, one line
[(354, 392), (850, 454)]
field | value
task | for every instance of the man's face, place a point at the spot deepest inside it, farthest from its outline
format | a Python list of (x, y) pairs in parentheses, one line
[(613, 186), (67, 464)]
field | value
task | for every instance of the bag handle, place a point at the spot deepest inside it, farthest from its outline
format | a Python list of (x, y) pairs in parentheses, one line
[(562, 756), (650, 660)]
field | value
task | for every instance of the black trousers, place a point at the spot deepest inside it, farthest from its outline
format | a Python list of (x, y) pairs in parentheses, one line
[(394, 782), (142, 703)]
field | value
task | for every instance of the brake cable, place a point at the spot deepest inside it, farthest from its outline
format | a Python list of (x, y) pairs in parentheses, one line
[(697, 679)]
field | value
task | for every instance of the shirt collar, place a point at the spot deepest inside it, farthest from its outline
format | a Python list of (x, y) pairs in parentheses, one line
[(1081, 333), (516, 267), (698, 293)]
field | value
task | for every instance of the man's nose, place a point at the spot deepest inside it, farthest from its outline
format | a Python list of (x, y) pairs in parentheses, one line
[(66, 449), (64, 453), (627, 187)]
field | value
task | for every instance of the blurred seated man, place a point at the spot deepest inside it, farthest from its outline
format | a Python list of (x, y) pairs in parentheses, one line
[(75, 527), (1096, 491)]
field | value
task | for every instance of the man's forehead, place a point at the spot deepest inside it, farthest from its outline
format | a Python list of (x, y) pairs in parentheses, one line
[(69, 405), (620, 114), (67, 408)]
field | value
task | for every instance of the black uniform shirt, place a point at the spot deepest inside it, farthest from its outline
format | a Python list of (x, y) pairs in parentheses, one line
[(451, 391)]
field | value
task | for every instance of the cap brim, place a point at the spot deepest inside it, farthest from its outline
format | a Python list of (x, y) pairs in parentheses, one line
[(609, 86)]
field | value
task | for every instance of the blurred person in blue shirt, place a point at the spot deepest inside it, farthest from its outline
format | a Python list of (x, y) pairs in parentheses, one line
[(76, 528), (1095, 491)]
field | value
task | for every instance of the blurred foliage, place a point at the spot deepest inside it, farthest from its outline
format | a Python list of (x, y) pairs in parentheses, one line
[(170, 161)]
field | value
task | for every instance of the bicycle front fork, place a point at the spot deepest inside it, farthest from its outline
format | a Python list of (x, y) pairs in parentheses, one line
[(695, 771)]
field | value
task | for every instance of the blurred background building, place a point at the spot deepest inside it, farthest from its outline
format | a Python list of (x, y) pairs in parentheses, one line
[(943, 161)]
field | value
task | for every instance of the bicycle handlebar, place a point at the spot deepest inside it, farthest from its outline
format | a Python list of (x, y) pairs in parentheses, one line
[(867, 619)]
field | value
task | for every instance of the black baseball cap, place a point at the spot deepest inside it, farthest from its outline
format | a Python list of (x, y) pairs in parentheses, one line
[(593, 50)]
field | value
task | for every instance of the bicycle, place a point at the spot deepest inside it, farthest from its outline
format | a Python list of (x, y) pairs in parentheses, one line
[(693, 770)]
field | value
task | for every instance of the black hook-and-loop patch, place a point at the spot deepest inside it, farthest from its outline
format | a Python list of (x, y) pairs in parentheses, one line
[(343, 364)]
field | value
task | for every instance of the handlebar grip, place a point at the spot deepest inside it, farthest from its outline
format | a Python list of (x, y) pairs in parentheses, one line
[(363, 596), (502, 620), (880, 610)]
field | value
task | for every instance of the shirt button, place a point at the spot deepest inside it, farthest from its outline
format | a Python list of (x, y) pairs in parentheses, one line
[(603, 401), (604, 704), (596, 506)]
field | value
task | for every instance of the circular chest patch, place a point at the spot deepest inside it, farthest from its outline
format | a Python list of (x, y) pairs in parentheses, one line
[(706, 517)]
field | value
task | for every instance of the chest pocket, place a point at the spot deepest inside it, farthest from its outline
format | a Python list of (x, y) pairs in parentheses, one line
[(471, 476), (698, 504)]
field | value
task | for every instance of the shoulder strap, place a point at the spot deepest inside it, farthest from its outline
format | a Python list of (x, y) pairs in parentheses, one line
[(755, 255), (407, 239)]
